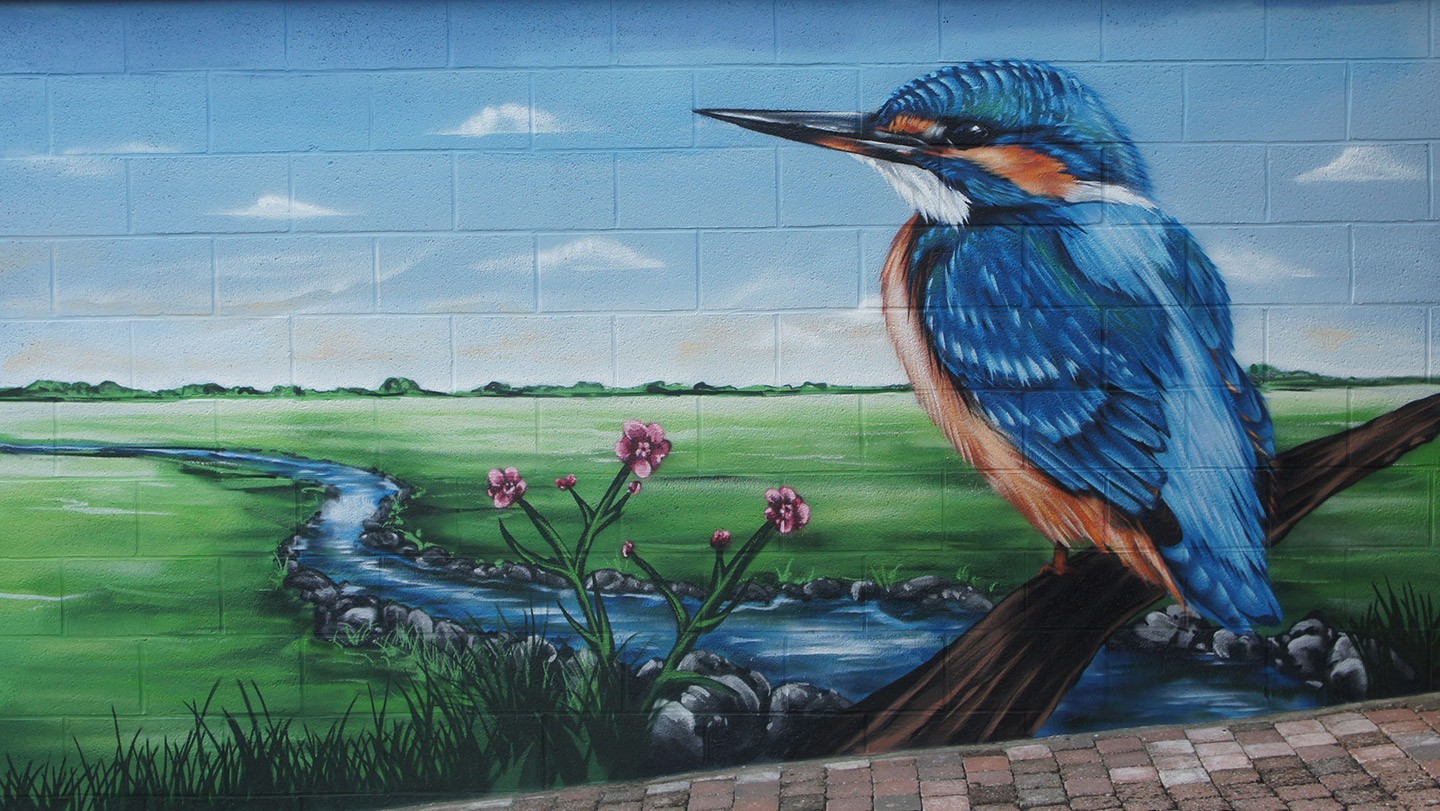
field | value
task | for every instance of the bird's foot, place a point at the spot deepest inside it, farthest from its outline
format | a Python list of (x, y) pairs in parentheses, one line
[(1060, 566)]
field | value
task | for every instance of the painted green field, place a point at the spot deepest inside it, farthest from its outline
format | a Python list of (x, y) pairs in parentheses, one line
[(136, 584)]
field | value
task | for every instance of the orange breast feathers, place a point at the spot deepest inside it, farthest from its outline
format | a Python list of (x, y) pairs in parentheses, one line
[(1062, 516)]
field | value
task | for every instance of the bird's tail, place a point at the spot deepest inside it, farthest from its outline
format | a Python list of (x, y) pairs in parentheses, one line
[(1219, 564)]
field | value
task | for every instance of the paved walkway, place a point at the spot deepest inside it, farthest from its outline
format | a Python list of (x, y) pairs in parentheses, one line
[(1361, 757)]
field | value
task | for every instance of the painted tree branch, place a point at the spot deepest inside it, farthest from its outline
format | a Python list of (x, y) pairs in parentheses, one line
[(1004, 677)]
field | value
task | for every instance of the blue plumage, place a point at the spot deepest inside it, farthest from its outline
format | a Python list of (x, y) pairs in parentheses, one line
[(1104, 352), (1072, 317)]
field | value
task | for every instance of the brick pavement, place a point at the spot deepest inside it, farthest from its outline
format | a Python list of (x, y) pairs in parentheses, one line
[(1360, 757)]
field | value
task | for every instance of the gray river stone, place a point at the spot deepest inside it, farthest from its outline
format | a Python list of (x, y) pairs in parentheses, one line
[(796, 710), (1348, 679)]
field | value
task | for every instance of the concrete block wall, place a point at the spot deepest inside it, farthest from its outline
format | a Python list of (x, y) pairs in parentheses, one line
[(277, 180)]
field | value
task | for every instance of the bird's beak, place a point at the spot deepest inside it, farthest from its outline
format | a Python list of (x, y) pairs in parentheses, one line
[(847, 132)]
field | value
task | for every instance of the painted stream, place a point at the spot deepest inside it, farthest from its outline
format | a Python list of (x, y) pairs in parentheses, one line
[(851, 647)]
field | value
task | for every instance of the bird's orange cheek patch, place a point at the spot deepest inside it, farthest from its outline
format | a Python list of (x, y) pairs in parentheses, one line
[(1034, 172)]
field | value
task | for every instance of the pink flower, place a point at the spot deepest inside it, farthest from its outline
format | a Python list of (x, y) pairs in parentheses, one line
[(633, 487), (786, 509), (720, 540), (505, 486), (626, 548), (565, 482), (642, 447)]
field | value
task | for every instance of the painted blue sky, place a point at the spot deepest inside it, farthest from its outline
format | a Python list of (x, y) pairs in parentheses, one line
[(329, 194)]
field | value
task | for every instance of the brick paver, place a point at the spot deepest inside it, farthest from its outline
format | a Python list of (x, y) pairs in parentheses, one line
[(1367, 756)]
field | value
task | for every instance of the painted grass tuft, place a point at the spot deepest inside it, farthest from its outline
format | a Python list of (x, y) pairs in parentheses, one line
[(496, 718)]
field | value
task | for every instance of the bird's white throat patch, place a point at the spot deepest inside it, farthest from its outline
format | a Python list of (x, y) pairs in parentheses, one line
[(923, 191)]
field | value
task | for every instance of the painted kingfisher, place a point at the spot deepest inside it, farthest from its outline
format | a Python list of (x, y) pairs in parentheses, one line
[(1072, 341)]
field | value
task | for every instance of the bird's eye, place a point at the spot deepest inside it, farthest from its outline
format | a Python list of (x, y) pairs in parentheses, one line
[(965, 133)]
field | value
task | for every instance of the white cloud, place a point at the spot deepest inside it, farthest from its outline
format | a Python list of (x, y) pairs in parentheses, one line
[(279, 207), (509, 117), (597, 253), (1361, 164), (1249, 263)]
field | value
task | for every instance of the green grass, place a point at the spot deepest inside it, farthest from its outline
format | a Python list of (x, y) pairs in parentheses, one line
[(171, 587), (453, 722)]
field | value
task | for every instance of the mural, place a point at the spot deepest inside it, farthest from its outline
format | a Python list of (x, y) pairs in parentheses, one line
[(430, 400)]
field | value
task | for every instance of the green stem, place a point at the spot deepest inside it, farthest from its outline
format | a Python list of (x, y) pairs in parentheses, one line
[(598, 519), (723, 592)]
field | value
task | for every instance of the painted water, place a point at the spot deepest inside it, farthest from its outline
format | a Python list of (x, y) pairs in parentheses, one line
[(851, 647)]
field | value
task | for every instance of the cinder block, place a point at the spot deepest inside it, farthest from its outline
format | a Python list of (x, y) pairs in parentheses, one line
[(788, 269), (470, 273), (499, 33), (133, 277), (36, 589), (713, 188), (176, 36), (1351, 31), (333, 351), (63, 195), (1365, 182), (126, 114), (1209, 183), (1393, 100), (1353, 341), (231, 352), (366, 34), (879, 82), (542, 190), (188, 587), (215, 195), (716, 349), (616, 271), (24, 279), (1397, 263), (91, 350), (470, 110), (559, 350), (1065, 30), (1149, 100), (1141, 30), (295, 274), (824, 187), (692, 32), (1265, 102), (1250, 332), (82, 38), (842, 347), (110, 682), (786, 88), (372, 192), (613, 108), (1281, 264), (289, 112), (25, 128), (856, 31)]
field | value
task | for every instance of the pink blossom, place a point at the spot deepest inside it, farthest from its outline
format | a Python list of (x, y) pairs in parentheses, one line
[(642, 447), (565, 482), (720, 540), (626, 548), (786, 509), (633, 488), (505, 486)]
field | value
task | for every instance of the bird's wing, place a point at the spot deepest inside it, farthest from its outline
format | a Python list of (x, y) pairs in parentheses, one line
[(1103, 351), (1067, 363)]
